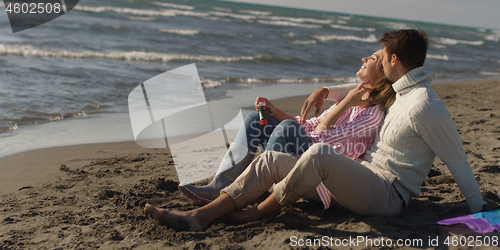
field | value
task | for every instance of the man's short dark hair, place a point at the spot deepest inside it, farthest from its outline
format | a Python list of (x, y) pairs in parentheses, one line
[(409, 45)]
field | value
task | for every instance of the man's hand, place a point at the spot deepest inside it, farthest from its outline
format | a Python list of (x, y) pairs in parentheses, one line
[(314, 100)]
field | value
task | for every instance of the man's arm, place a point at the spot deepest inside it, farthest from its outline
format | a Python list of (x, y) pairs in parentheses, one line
[(339, 92), (433, 122)]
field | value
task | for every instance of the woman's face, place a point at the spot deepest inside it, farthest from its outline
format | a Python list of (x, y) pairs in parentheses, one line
[(371, 68)]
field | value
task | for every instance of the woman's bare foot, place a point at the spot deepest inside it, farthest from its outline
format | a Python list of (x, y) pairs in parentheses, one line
[(184, 221)]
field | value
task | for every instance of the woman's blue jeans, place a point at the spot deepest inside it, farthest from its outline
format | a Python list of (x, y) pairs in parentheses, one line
[(287, 136)]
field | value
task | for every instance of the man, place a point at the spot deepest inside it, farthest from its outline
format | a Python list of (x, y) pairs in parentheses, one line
[(416, 129)]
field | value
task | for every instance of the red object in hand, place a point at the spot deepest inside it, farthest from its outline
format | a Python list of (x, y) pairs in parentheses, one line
[(262, 113)]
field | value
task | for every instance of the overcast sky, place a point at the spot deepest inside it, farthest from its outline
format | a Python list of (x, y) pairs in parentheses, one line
[(472, 13)]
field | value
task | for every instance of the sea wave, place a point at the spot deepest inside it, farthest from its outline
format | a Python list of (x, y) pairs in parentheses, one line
[(10, 126), (236, 16), (308, 42), (490, 73), (176, 6), (184, 10), (140, 12), (289, 80), (124, 10), (297, 19), (181, 32), (395, 25), (291, 24), (492, 37), (438, 46), (221, 9), (438, 57), (343, 27), (209, 84), (450, 41), (370, 39), (140, 18), (37, 117), (30, 51), (257, 13)]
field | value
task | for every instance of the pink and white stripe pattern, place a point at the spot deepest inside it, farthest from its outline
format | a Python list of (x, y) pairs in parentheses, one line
[(353, 133)]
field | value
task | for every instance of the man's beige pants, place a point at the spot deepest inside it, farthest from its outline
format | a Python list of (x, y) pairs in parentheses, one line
[(358, 186)]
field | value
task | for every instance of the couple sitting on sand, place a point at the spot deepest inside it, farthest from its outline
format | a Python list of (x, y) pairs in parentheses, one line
[(369, 165)]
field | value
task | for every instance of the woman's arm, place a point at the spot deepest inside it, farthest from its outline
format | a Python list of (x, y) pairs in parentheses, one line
[(335, 93), (271, 110), (354, 98), (365, 124)]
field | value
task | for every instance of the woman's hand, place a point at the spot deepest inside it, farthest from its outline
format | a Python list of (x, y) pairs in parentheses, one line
[(314, 100), (359, 96), (270, 108)]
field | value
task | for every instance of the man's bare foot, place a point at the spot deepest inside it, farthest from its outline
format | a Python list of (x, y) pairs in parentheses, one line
[(183, 221)]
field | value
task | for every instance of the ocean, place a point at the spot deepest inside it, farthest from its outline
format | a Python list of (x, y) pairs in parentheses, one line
[(67, 81)]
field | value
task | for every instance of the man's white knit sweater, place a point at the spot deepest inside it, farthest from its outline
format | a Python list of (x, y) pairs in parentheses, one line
[(417, 127)]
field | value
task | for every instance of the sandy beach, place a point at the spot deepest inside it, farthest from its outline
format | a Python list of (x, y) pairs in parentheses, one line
[(92, 196)]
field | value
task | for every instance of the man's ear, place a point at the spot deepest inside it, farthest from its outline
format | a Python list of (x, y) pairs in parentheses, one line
[(394, 60)]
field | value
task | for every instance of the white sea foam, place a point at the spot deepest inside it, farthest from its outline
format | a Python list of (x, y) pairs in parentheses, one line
[(221, 9), (438, 46), (14, 127), (176, 6), (289, 35), (209, 84), (30, 51), (290, 80), (257, 13), (492, 37), (186, 11), (139, 12), (212, 18), (308, 42), (124, 10), (297, 20), (438, 57), (236, 16), (292, 24), (370, 39), (342, 22), (181, 32), (342, 27), (395, 25), (490, 73), (140, 18), (450, 41)]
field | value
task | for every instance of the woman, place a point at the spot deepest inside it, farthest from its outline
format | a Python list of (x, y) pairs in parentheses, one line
[(350, 126)]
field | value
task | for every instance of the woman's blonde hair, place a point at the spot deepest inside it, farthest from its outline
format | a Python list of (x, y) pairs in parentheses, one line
[(383, 94)]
